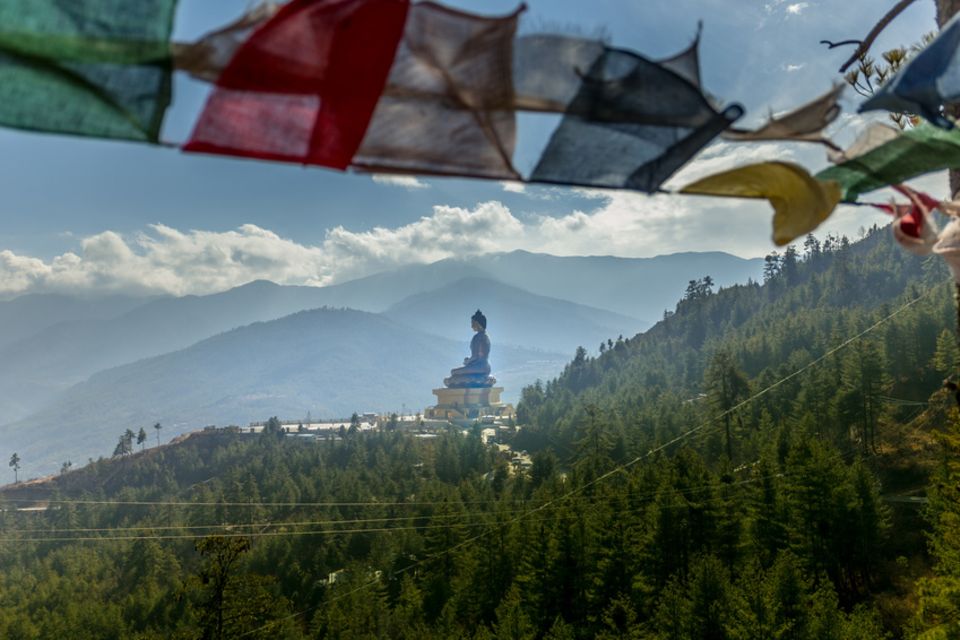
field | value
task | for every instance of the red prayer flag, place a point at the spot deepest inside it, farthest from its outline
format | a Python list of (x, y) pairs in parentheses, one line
[(304, 86), (448, 107)]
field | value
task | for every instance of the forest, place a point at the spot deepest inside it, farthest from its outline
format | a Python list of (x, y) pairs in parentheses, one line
[(771, 460)]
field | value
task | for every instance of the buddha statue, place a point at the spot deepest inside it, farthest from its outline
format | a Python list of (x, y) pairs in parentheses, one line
[(475, 372)]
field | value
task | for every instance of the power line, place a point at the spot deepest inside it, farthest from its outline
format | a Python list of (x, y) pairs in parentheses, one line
[(252, 525), (624, 466)]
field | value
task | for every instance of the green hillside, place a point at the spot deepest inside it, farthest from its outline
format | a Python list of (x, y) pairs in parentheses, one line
[(741, 470)]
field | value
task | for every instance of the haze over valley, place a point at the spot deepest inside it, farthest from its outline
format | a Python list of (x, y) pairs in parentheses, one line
[(92, 367)]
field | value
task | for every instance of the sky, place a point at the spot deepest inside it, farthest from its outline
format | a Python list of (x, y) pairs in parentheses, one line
[(90, 216)]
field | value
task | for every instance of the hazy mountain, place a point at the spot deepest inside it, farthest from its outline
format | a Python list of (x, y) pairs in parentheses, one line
[(27, 315), (382, 290), (49, 361), (328, 362), (515, 316), (42, 358), (637, 287)]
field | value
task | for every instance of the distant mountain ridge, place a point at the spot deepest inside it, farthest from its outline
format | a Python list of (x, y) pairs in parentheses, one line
[(327, 362), (56, 356), (26, 315), (516, 317), (641, 288), (637, 287)]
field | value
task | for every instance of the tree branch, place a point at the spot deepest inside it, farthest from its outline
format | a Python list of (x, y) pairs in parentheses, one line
[(879, 27)]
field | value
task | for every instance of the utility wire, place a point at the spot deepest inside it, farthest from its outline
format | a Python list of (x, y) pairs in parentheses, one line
[(618, 469), (462, 516)]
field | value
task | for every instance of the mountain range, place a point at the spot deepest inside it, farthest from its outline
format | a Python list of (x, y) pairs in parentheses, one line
[(327, 362), (94, 369)]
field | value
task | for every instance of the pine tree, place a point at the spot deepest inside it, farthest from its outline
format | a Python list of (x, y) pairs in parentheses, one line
[(938, 613), (726, 386), (15, 465), (947, 357)]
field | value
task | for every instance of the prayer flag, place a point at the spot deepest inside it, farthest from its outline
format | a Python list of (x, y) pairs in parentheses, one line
[(913, 226), (922, 149), (206, 58), (805, 124), (927, 81), (686, 64), (437, 93), (632, 124), (304, 86), (94, 68), (800, 202), (547, 70), (948, 247), (876, 134), (448, 106)]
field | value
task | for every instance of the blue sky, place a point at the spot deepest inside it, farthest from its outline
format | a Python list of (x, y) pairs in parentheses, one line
[(98, 215)]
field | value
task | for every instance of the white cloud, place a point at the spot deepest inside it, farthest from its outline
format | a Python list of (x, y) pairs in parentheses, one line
[(411, 183), (511, 186), (167, 260), (797, 8), (772, 6), (162, 259), (722, 156), (790, 68)]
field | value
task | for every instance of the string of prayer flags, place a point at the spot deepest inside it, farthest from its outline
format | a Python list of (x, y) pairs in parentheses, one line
[(303, 87), (800, 202), (206, 58), (96, 68), (448, 105), (928, 81), (804, 124), (439, 93), (917, 151)]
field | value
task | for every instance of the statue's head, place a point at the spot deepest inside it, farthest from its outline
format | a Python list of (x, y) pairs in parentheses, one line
[(478, 321)]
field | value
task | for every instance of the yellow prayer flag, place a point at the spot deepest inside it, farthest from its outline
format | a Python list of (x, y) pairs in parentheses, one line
[(800, 201)]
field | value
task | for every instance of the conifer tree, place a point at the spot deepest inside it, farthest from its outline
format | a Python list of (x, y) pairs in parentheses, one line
[(938, 613)]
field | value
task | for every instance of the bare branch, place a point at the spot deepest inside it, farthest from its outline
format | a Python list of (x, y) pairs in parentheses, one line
[(879, 27)]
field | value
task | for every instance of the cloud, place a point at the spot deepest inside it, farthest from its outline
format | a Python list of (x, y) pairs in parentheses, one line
[(167, 260), (790, 68), (797, 8), (162, 259), (411, 183), (511, 186), (722, 156)]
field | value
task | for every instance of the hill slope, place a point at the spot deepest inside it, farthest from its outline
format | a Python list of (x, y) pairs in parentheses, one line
[(28, 315)]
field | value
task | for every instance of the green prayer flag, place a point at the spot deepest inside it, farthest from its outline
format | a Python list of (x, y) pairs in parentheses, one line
[(923, 149), (97, 68)]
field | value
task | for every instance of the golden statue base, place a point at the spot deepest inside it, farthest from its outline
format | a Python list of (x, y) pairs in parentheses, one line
[(464, 406)]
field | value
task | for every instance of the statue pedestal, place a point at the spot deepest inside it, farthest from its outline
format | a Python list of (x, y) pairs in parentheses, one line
[(466, 406)]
